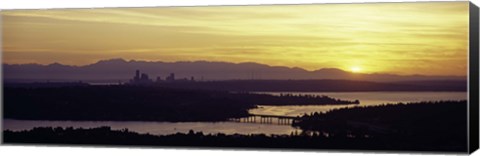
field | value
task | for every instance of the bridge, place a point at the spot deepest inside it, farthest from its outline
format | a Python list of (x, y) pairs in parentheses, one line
[(267, 119)]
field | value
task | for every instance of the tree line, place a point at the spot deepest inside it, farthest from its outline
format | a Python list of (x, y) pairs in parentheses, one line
[(141, 103), (433, 123), (109, 137)]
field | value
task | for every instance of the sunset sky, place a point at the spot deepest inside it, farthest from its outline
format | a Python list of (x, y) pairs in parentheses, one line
[(397, 38)]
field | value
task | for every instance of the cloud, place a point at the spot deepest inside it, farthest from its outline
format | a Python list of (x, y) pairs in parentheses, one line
[(380, 36)]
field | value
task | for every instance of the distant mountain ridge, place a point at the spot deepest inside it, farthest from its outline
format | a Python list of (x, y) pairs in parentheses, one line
[(115, 70)]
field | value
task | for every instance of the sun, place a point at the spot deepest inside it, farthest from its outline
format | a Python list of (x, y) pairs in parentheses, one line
[(356, 69)]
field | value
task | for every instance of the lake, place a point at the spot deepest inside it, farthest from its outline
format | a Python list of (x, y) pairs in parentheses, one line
[(366, 99), (162, 128)]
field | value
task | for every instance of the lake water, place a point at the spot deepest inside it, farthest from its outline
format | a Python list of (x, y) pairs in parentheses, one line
[(162, 128), (366, 99)]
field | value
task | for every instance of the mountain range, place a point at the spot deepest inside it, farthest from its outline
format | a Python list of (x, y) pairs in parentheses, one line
[(120, 70)]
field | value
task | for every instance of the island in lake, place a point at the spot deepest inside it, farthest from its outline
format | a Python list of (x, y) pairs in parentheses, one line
[(383, 127), (276, 77), (345, 123)]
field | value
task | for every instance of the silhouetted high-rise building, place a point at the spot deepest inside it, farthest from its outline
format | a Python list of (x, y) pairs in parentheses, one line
[(137, 75), (140, 78), (144, 77), (171, 77)]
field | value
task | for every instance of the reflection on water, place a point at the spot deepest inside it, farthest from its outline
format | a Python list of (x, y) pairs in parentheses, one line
[(294, 110), (159, 128), (366, 98)]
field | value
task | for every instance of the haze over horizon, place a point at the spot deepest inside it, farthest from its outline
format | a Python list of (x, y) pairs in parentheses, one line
[(405, 40), (120, 70), (196, 61)]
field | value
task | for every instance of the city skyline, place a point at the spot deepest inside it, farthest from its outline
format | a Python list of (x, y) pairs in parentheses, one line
[(349, 36)]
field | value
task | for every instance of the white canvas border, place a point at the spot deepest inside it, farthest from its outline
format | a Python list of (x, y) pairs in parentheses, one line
[(47, 4)]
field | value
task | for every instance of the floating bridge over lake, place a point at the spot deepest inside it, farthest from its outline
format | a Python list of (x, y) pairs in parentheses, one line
[(267, 119)]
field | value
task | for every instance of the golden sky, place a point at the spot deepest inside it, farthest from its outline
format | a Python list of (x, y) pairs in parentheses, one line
[(399, 38)]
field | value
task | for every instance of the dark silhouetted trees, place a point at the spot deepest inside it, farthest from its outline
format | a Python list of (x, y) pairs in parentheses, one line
[(442, 123), (107, 136), (140, 103)]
